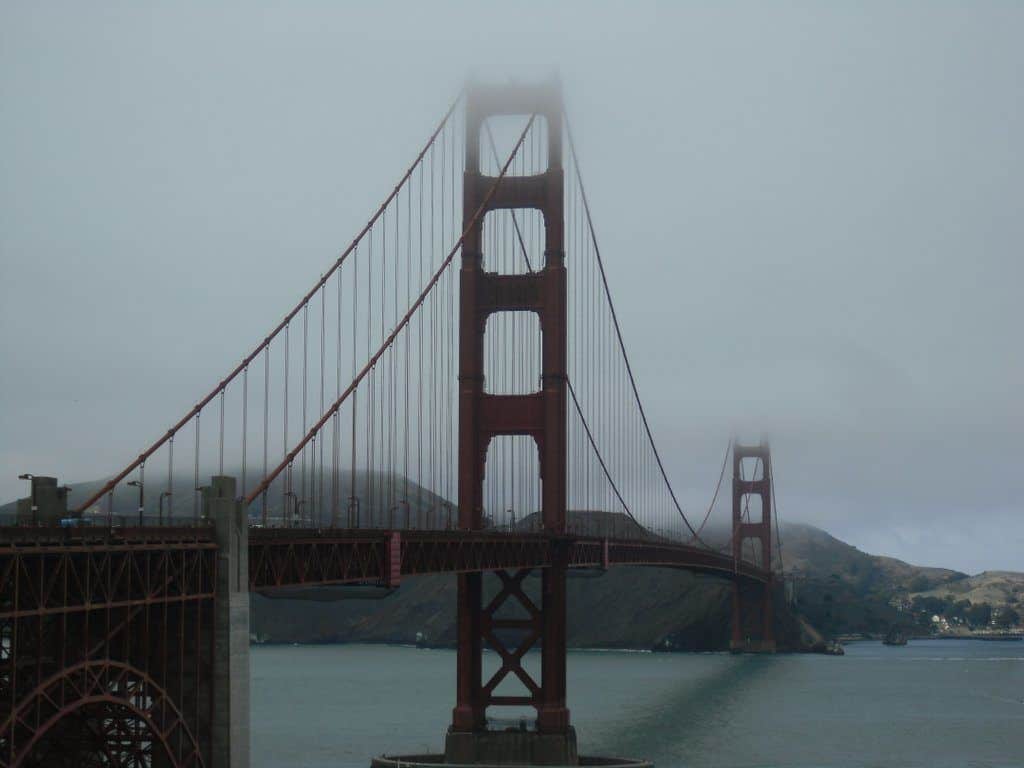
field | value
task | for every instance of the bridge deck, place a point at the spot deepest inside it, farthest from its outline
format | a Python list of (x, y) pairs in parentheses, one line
[(285, 557)]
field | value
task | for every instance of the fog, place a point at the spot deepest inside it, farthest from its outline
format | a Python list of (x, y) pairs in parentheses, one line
[(811, 215)]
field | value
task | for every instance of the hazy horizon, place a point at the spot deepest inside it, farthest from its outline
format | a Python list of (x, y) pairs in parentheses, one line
[(811, 216)]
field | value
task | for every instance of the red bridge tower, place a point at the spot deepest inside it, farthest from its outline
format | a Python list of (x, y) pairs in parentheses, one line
[(540, 415), (752, 603)]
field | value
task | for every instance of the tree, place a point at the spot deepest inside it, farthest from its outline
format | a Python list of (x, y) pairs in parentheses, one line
[(979, 615), (1007, 617), (959, 610)]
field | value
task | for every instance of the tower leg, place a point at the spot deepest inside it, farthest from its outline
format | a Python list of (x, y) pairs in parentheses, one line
[(230, 747), (553, 715), (736, 644), (469, 714), (767, 619)]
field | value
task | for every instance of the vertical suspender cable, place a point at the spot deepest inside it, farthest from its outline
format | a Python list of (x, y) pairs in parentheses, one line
[(618, 333), (419, 360), (336, 469), (195, 478), (284, 428), (370, 405), (245, 421), (301, 501), (389, 340), (266, 426), (220, 456), (353, 495), (170, 476), (323, 357), (408, 337)]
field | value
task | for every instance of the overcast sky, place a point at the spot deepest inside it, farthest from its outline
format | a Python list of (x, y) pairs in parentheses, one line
[(812, 217)]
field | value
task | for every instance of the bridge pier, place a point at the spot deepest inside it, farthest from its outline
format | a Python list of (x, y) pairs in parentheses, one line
[(752, 609), (230, 727)]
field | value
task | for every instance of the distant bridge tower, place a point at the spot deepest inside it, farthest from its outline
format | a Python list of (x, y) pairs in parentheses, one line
[(540, 415), (752, 613)]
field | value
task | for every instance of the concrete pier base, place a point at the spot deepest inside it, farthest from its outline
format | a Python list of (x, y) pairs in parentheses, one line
[(438, 761), (511, 747), (753, 647), (230, 742)]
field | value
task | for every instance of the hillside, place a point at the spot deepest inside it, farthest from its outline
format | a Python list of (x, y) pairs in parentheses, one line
[(997, 588), (373, 489), (811, 553), (832, 588), (842, 590), (622, 608)]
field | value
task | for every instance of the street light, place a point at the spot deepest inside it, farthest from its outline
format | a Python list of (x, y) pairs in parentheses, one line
[(164, 494), (141, 486), (286, 512), (32, 496)]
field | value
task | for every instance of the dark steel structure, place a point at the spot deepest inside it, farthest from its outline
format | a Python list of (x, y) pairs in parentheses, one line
[(107, 637), (117, 644), (105, 647), (281, 557), (752, 603), (541, 416)]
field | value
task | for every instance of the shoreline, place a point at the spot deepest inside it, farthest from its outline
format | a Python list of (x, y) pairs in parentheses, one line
[(984, 638), (452, 648)]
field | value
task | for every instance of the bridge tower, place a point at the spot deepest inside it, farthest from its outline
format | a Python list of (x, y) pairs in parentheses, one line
[(752, 603), (540, 415)]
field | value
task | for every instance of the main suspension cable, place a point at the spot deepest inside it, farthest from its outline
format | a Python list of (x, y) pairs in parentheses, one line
[(618, 334), (113, 482), (387, 342)]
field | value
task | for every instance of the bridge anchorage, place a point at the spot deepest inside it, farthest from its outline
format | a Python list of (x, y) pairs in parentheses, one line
[(124, 636)]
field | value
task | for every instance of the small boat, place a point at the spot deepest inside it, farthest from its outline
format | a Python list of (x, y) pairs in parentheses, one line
[(895, 636)]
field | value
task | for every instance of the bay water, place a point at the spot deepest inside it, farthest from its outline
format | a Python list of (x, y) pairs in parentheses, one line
[(934, 703)]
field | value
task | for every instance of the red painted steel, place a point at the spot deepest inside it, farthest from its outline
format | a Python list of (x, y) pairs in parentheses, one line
[(541, 416), (282, 557), (108, 646), (107, 634), (101, 693), (142, 599), (248, 359), (744, 530)]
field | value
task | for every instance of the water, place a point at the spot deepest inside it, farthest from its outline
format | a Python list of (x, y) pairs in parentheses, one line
[(932, 703)]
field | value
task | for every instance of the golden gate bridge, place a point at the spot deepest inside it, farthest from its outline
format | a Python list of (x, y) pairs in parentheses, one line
[(453, 395)]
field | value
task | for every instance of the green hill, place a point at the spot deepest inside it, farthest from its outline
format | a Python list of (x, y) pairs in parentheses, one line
[(831, 588)]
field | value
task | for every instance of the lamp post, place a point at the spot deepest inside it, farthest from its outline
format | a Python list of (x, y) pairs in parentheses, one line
[(160, 506), (32, 496), (141, 486), (286, 513)]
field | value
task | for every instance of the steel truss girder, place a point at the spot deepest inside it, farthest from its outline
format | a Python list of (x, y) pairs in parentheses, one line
[(52, 580), (107, 646), (291, 557)]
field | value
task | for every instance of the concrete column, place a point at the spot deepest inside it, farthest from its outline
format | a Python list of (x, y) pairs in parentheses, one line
[(230, 747)]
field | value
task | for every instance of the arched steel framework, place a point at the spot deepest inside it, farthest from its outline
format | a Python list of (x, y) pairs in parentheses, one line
[(119, 693)]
